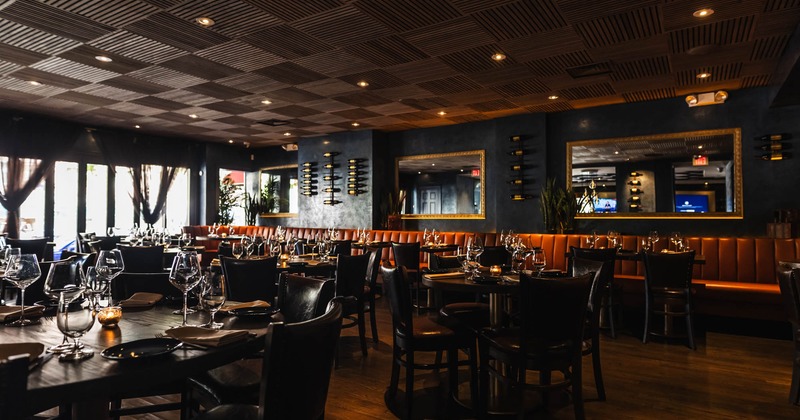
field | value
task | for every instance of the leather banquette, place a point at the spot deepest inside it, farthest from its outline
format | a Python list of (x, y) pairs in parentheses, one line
[(738, 277)]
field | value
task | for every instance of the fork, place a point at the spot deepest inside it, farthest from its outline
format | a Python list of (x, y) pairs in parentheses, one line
[(183, 343)]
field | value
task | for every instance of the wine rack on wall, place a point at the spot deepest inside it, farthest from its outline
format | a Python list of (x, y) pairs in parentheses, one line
[(520, 184)]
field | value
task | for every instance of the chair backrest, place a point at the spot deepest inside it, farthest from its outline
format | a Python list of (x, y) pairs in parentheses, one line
[(342, 248), (105, 243), (406, 255), (373, 269), (580, 267), (126, 284), (553, 311), (142, 259), (298, 361), (250, 279), (789, 282), (302, 298), (395, 287), (13, 386), (35, 292), (606, 256), (351, 273), (30, 246), (301, 247), (671, 270), (439, 262), (85, 259), (494, 255)]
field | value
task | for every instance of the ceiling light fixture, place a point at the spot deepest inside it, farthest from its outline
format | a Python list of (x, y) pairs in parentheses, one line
[(137, 126), (192, 116), (230, 141), (34, 83), (266, 102), (355, 124), (205, 21), (362, 83), (287, 134), (701, 13), (441, 113), (703, 75), (103, 58), (552, 97), (707, 98), (498, 56)]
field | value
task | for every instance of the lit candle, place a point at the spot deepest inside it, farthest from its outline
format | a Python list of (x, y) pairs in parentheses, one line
[(109, 317), (495, 270), (284, 257)]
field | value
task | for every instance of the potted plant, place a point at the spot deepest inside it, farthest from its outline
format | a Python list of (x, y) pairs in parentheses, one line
[(266, 201), (395, 208), (559, 207), (228, 197)]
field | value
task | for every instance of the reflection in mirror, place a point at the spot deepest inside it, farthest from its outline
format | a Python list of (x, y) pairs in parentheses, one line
[(282, 181), (690, 174), (444, 185)]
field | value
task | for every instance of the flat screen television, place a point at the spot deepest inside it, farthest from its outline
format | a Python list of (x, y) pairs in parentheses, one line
[(691, 203), (605, 205)]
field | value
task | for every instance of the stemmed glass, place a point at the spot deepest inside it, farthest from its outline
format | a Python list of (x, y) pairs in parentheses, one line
[(436, 235), (247, 243), (110, 231), (652, 238), (539, 260), (426, 237), (65, 280), (186, 239), (108, 266), (237, 248), (325, 247), (74, 322), (184, 275), (613, 239), (292, 245), (212, 296), (22, 270), (592, 239), (676, 239), (474, 248)]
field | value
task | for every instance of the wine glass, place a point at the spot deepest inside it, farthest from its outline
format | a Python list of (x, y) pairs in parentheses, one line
[(184, 275), (231, 230), (65, 280), (108, 266), (519, 257), (247, 244), (653, 237), (74, 321), (212, 296), (22, 271), (592, 239), (96, 286), (675, 238), (110, 231), (292, 244), (186, 239), (613, 239), (325, 247), (475, 248), (237, 248), (426, 237), (539, 260), (436, 237)]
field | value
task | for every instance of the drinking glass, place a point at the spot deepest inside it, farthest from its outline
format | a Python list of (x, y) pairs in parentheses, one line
[(6, 255), (64, 280), (653, 237), (675, 238), (539, 260), (592, 239), (96, 286), (247, 243), (275, 248), (292, 245), (238, 249), (518, 259), (108, 266), (186, 239), (212, 296), (184, 275), (231, 231), (22, 270), (74, 321), (436, 238), (426, 237), (475, 248), (613, 239), (325, 247)]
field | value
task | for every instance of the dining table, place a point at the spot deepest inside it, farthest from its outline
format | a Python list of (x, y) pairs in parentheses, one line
[(496, 288), (87, 386)]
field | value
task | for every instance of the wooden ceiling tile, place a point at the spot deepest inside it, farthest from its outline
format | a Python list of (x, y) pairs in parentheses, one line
[(391, 108), (755, 81), (31, 39), (111, 113), (759, 67), (346, 126), (597, 101), (135, 85), (167, 77), (212, 125), (20, 55), (342, 26), (550, 107), (387, 51), (228, 108), (335, 63), (237, 121), (258, 115), (471, 96), (505, 112), (240, 55), (783, 20), (581, 10), (476, 59), (769, 47), (190, 98), (47, 78), (377, 79), (461, 119), (379, 121), (329, 87), (67, 107), (83, 98), (291, 10), (636, 69), (294, 111), (159, 103), (543, 44), (653, 46), (678, 13), (471, 6), (449, 85), (299, 123), (232, 18), (407, 15), (328, 105), (718, 73), (495, 105), (290, 73), (86, 55), (643, 84), (250, 82), (293, 95), (416, 116), (200, 67), (399, 127), (115, 13), (216, 90), (426, 104), (524, 87), (422, 70), (587, 91), (356, 114), (729, 31), (137, 47), (362, 99), (326, 119), (448, 37), (726, 54), (6, 67), (557, 64), (287, 42), (135, 108), (516, 20), (244, 130), (401, 93), (73, 70), (171, 30), (52, 20), (8, 95), (503, 75), (649, 95), (631, 25)]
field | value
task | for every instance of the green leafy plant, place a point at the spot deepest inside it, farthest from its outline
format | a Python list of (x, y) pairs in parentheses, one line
[(228, 198), (559, 207), (267, 201)]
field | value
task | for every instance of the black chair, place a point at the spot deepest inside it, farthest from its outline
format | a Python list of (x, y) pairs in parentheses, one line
[(789, 281), (342, 248), (251, 279), (297, 366), (370, 289), (494, 255), (301, 298), (126, 284), (591, 342), (104, 243), (411, 335), (407, 255), (31, 246), (443, 262), (351, 273), (610, 292), (13, 386), (224, 249), (85, 259), (142, 259), (552, 316), (668, 282)]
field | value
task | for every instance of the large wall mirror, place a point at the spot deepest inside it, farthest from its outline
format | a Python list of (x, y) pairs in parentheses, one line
[(694, 174), (443, 185), (280, 183)]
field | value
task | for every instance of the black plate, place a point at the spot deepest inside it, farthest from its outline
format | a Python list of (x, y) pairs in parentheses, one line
[(253, 313), (141, 349)]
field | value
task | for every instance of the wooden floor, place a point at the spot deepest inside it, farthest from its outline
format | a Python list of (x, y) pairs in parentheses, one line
[(729, 376)]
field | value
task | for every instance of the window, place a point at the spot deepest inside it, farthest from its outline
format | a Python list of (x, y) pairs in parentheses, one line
[(124, 214), (96, 198), (177, 206), (65, 218), (31, 212)]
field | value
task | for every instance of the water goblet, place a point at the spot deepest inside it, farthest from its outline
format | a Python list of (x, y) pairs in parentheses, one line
[(186, 239), (184, 275), (675, 238), (539, 260), (109, 265), (237, 248), (65, 280), (613, 239), (212, 296), (22, 271), (74, 321)]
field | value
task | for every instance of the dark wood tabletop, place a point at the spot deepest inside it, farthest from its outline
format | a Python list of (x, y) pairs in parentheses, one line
[(374, 245), (433, 249), (459, 284), (94, 381)]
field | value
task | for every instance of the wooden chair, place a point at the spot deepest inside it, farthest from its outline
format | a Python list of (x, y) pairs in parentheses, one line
[(142, 259), (591, 342), (36, 246), (13, 386), (789, 281), (351, 273), (668, 282), (494, 255), (610, 292), (407, 255), (552, 316), (251, 279), (371, 289), (411, 335)]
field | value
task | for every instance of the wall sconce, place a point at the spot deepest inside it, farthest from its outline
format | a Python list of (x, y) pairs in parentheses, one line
[(355, 180), (707, 98), (308, 174)]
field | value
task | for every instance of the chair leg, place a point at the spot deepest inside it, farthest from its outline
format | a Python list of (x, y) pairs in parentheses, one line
[(409, 383), (610, 312), (116, 405), (481, 403), (646, 321), (794, 391), (690, 326), (474, 388), (577, 388), (598, 372), (373, 322), (362, 333), (437, 360), (393, 382), (452, 371)]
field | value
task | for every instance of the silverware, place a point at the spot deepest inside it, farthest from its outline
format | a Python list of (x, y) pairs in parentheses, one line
[(39, 361), (183, 344)]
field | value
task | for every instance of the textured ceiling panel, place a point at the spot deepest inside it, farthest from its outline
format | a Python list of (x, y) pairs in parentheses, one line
[(387, 51), (557, 64), (290, 73), (638, 69), (21, 36), (407, 15), (287, 42), (29, 74), (516, 20), (649, 95), (171, 30), (730, 31), (342, 26), (293, 95), (628, 26), (74, 70), (233, 18), (49, 19), (240, 55), (449, 85), (582, 10), (449, 37), (115, 13), (291, 10), (159, 103), (362, 99), (588, 91), (423, 70), (136, 85), (136, 47), (200, 67), (20, 55), (168, 77), (84, 98), (474, 59)]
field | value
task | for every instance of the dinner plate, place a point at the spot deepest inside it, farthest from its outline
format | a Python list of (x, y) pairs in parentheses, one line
[(141, 349), (253, 313)]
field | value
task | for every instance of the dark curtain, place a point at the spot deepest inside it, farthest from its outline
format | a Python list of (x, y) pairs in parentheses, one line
[(20, 174), (141, 191)]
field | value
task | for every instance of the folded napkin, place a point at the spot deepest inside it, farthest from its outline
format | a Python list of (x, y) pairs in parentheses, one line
[(141, 300), (229, 306), (207, 337), (8, 313), (451, 275), (10, 349)]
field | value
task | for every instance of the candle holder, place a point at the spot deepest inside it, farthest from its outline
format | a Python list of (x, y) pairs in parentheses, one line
[(495, 271), (109, 316)]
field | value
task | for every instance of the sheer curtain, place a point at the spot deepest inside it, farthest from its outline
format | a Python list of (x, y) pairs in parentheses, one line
[(142, 176), (18, 178)]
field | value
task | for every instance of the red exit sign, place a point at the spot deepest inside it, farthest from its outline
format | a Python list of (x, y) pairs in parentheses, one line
[(476, 172), (700, 160)]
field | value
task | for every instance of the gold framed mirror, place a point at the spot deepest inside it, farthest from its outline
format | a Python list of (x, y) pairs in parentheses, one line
[(280, 183), (442, 185), (686, 175)]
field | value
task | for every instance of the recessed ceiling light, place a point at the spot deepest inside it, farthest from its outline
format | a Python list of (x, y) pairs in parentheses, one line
[(552, 97), (616, 152), (192, 115), (442, 113), (700, 146), (137, 126), (266, 102), (462, 170), (287, 134), (34, 83), (205, 21), (701, 13), (362, 83), (703, 75), (419, 172), (433, 164), (355, 124), (103, 58), (230, 141), (498, 56)]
